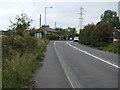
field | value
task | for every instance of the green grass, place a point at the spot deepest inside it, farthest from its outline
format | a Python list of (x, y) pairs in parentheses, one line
[(18, 70), (112, 47)]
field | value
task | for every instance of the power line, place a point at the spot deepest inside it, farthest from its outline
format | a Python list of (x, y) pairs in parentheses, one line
[(37, 12), (35, 6)]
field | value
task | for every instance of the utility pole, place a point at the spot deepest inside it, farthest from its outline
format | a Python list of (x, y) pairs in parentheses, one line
[(81, 18), (55, 24), (40, 21), (45, 13)]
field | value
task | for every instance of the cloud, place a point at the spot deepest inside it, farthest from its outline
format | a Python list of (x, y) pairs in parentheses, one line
[(13, 1), (64, 13), (76, 0), (14, 11)]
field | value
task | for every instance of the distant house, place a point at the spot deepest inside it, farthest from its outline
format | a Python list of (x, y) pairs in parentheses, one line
[(49, 30), (38, 35), (116, 35)]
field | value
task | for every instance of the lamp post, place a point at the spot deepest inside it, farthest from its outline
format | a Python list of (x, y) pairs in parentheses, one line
[(45, 13)]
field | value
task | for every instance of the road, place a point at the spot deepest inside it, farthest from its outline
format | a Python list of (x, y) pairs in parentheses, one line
[(68, 64)]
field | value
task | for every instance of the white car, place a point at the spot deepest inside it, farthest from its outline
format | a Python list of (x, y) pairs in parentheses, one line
[(70, 39), (76, 39)]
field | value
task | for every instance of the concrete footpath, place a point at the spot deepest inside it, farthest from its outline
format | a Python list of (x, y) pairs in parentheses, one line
[(51, 74)]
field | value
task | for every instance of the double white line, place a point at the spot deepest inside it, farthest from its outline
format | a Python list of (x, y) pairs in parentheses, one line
[(85, 52)]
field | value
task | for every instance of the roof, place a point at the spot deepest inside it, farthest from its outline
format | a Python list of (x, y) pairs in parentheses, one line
[(48, 29)]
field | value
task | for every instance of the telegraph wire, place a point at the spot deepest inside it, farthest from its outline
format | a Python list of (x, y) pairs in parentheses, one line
[(35, 6)]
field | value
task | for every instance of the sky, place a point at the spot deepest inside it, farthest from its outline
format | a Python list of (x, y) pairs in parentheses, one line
[(63, 12)]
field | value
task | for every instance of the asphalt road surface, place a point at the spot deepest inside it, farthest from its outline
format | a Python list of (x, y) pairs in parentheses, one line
[(68, 64)]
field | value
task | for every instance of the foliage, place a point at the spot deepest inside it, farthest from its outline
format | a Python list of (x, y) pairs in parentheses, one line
[(100, 35), (19, 44), (105, 30), (21, 53), (85, 34), (67, 33), (21, 25), (111, 17), (95, 37), (71, 32), (52, 37), (112, 47), (17, 71), (21, 56), (62, 31)]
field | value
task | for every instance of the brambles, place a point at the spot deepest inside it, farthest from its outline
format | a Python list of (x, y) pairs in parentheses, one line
[(21, 57), (21, 54)]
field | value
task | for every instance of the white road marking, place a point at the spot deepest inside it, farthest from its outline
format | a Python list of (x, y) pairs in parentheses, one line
[(64, 68), (105, 61), (73, 81)]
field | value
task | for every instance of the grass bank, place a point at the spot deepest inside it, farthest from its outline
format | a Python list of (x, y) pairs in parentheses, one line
[(21, 57), (112, 47)]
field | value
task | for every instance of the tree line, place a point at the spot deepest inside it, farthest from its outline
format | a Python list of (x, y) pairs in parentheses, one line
[(100, 34)]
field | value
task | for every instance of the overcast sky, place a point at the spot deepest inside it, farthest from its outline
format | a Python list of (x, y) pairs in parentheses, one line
[(64, 12)]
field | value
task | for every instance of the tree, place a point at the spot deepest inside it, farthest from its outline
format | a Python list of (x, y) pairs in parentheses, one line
[(105, 30), (95, 36), (66, 33), (111, 17), (71, 32), (86, 33), (62, 32), (21, 25)]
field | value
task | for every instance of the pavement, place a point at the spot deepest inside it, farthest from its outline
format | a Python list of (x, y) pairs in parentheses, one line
[(68, 64)]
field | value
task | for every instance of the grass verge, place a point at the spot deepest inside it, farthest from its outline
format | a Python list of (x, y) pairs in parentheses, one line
[(112, 47), (20, 61)]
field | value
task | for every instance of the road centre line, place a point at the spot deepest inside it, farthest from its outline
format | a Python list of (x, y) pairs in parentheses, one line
[(85, 52)]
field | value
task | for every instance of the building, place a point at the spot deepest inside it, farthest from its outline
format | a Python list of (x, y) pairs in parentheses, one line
[(116, 35), (38, 35), (48, 30), (119, 9)]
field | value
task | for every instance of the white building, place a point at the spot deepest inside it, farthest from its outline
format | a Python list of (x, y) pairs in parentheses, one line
[(38, 35), (119, 9)]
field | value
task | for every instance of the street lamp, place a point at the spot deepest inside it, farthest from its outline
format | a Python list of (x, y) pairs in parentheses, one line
[(45, 13)]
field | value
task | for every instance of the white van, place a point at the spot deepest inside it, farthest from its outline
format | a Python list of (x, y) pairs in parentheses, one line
[(76, 39)]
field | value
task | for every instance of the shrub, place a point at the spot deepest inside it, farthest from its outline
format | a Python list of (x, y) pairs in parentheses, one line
[(52, 37), (18, 44), (21, 58), (95, 38)]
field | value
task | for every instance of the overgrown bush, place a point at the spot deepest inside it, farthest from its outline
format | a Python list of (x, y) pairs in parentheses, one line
[(17, 44), (21, 56), (96, 35), (95, 38)]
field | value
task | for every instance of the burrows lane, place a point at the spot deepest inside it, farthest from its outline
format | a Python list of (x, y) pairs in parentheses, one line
[(69, 64)]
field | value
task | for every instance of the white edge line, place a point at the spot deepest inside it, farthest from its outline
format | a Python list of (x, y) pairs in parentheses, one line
[(64, 69), (93, 56)]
